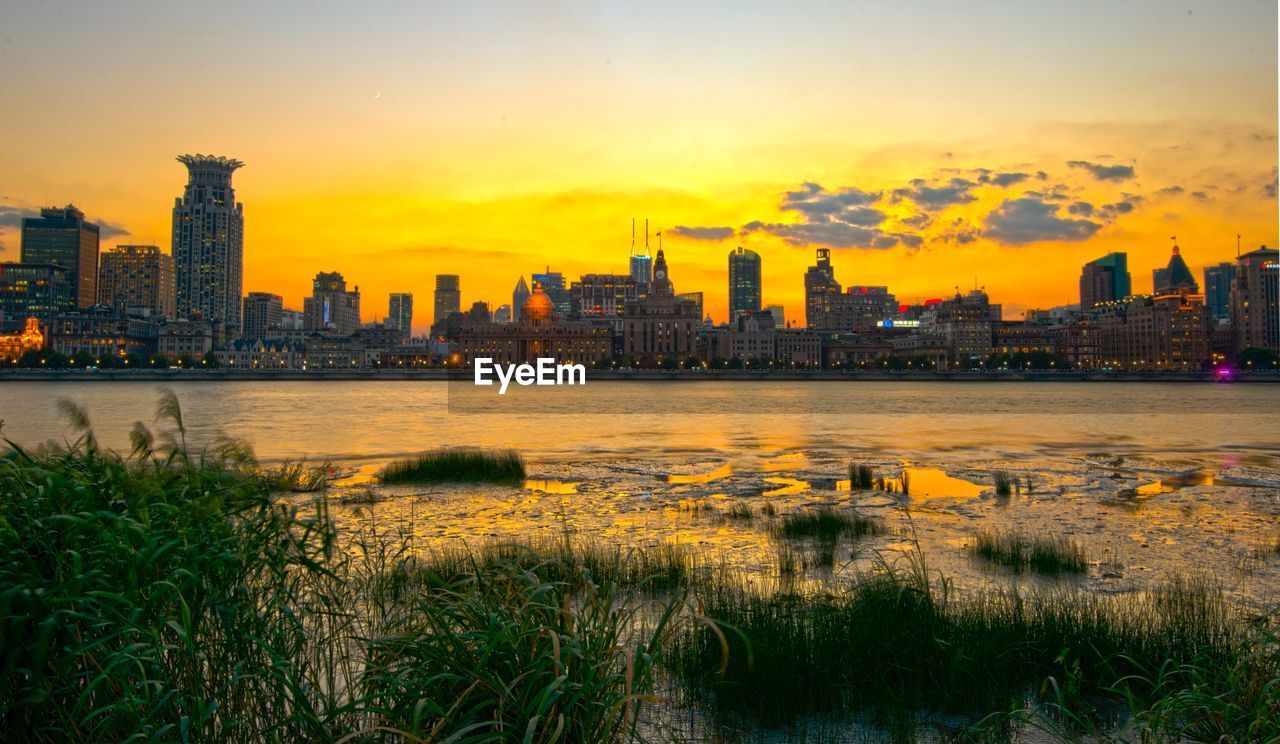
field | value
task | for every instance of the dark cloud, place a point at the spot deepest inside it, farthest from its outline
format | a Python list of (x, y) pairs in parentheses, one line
[(1170, 191), (1104, 172), (702, 233), (815, 202), (1042, 176), (110, 229), (834, 234), (1201, 196), (1269, 188), (12, 216), (1005, 180), (1030, 220), (1081, 209), (955, 191)]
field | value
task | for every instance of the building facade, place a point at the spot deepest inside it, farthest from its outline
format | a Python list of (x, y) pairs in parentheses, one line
[(16, 343), (661, 326), (208, 242), (1217, 290), (400, 313), (447, 299), (1105, 280), (103, 332), (1255, 294), (332, 308), (603, 295), (1164, 332), (137, 280), (61, 236), (30, 290), (744, 282), (263, 315), (538, 334)]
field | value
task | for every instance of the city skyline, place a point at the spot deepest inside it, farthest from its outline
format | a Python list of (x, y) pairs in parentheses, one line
[(491, 156)]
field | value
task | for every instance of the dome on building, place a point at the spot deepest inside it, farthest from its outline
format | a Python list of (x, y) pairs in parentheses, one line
[(538, 308)]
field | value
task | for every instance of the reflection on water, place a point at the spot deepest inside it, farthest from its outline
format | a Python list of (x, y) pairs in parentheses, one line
[(552, 486), (720, 472), (790, 486), (932, 483)]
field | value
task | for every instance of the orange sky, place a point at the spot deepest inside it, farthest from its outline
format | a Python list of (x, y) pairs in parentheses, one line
[(393, 144)]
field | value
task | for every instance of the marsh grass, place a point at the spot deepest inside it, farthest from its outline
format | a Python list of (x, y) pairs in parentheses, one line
[(1005, 483), (740, 511), (896, 643), (827, 524), (457, 465), (295, 477), (861, 477), (1042, 554)]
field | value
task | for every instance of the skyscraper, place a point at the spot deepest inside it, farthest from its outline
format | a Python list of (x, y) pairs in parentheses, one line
[(744, 282), (779, 315), (400, 313), (137, 279), (1255, 300), (1105, 280), (60, 236), (32, 290), (1217, 290), (553, 284), (208, 241), (448, 298), (819, 283), (519, 296), (263, 313), (331, 307), (641, 265)]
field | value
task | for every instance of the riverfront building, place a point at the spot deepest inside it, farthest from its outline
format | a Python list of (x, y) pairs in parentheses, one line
[(137, 280), (208, 242), (61, 236)]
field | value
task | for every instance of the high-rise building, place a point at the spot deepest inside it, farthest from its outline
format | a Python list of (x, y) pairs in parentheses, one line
[(553, 284), (479, 312), (1105, 280), (400, 313), (137, 280), (779, 315), (1255, 294), (1168, 331), (502, 316), (448, 298), (519, 296), (641, 263), (1176, 277), (208, 241), (331, 308), (1217, 290), (744, 282), (965, 324), (60, 236), (819, 284), (32, 290), (263, 315)]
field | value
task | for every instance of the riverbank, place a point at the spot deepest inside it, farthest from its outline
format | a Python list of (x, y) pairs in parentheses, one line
[(644, 375)]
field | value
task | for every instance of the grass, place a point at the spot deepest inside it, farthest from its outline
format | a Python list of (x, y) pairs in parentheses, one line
[(1178, 656), (826, 523), (1005, 483), (457, 465), (861, 477), (1043, 554), (167, 596), (295, 477), (740, 511)]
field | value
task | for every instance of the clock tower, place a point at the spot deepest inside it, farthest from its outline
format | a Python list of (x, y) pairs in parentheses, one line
[(661, 282)]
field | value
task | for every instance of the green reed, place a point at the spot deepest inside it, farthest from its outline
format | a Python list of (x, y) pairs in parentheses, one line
[(1043, 554), (457, 465), (827, 523)]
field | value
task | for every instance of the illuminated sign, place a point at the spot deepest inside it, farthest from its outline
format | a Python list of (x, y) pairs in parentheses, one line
[(1270, 265), (899, 324)]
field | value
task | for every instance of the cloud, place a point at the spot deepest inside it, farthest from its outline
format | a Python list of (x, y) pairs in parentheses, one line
[(1104, 172), (956, 191), (815, 202), (1005, 180), (1200, 196), (110, 229), (1031, 220), (12, 216), (702, 233), (834, 234), (1081, 209), (1170, 191)]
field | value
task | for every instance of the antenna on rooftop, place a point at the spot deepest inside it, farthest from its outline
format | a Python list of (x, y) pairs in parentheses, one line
[(633, 235), (646, 234)]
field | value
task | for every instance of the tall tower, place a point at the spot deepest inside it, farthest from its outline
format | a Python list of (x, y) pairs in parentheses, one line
[(60, 236), (519, 296), (448, 297), (208, 241), (641, 268), (744, 282), (819, 283), (400, 312)]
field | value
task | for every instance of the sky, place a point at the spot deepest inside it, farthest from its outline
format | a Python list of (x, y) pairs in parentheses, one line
[(931, 145)]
